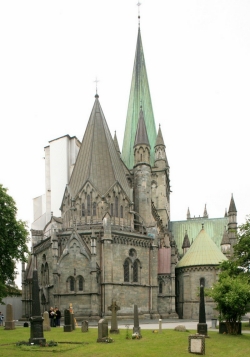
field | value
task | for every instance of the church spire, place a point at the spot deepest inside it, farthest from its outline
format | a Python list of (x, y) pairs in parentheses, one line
[(141, 136), (139, 96)]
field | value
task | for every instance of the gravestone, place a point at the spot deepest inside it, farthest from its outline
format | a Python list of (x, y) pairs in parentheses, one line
[(102, 330), (67, 321), (36, 320), (85, 326), (114, 308), (9, 322), (46, 321), (202, 326), (196, 344), (136, 328), (72, 316)]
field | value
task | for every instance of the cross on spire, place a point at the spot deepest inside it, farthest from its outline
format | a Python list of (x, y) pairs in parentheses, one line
[(96, 81), (139, 4)]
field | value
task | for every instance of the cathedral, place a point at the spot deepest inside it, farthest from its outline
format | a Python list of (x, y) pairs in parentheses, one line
[(113, 238)]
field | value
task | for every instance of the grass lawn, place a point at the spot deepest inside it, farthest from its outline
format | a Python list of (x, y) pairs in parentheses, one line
[(168, 343)]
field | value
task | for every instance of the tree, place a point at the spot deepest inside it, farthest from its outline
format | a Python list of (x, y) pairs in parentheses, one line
[(13, 243), (242, 248), (231, 293)]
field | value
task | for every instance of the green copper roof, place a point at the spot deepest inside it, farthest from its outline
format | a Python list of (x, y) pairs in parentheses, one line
[(139, 96), (214, 227), (203, 251)]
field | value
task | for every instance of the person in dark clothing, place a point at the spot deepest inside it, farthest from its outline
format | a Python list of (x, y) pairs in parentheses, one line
[(52, 316), (58, 316)]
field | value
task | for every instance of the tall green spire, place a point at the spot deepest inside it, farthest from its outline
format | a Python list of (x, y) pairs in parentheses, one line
[(139, 96)]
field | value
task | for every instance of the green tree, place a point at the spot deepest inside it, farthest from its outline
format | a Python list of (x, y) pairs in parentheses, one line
[(242, 248), (13, 243), (231, 293)]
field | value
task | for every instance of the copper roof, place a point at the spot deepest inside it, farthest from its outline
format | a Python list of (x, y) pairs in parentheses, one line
[(203, 251)]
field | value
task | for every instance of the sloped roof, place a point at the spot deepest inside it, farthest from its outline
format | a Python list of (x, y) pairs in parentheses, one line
[(139, 96), (214, 228), (98, 161), (203, 251), (141, 136)]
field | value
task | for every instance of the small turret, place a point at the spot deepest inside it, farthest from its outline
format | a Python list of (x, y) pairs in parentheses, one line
[(141, 145), (160, 152), (205, 215), (142, 172), (188, 214), (186, 244), (232, 224)]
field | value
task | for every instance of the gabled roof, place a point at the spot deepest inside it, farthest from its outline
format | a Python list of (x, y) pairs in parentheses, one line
[(203, 251), (98, 161), (139, 96), (141, 136)]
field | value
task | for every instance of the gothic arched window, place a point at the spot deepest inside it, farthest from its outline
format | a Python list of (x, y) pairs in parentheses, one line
[(88, 206), (116, 206), (83, 210), (94, 209), (121, 211), (135, 271), (71, 284), (80, 283), (126, 271)]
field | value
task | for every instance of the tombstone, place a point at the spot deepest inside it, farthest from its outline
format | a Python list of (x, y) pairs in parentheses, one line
[(85, 326), (72, 316), (26, 324), (46, 321), (36, 320), (9, 322), (114, 308), (67, 321), (160, 325), (102, 330), (136, 328), (202, 326), (196, 344)]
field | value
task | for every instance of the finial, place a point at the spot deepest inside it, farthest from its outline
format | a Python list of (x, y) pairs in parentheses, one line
[(138, 4), (96, 81)]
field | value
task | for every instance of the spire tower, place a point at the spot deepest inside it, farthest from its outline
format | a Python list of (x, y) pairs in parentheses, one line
[(139, 96)]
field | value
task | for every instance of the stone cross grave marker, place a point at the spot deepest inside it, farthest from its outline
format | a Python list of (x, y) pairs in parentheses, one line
[(67, 321), (114, 308), (136, 328), (102, 330), (46, 322), (9, 322)]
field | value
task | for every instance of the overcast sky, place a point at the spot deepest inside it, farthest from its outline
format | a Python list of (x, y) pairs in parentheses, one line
[(198, 63)]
